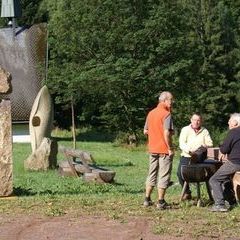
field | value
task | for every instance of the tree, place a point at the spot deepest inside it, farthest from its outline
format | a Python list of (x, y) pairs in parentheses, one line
[(114, 57)]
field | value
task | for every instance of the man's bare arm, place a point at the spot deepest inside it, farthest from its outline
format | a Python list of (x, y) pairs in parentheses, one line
[(168, 140)]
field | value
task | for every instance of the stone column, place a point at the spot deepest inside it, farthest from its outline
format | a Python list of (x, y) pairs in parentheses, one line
[(6, 163)]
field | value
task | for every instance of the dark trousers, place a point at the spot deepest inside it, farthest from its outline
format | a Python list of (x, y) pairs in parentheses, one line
[(221, 184), (183, 161)]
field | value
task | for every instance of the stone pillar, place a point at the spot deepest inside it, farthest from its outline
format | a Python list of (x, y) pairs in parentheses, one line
[(6, 163)]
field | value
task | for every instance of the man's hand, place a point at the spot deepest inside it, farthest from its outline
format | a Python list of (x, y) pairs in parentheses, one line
[(193, 156), (222, 157), (170, 152)]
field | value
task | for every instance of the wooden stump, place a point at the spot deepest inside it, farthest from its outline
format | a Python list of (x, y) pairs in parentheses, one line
[(99, 176)]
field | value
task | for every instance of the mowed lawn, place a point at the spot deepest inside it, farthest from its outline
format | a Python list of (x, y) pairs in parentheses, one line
[(47, 193)]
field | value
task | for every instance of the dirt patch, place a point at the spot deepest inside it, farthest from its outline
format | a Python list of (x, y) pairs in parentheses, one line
[(69, 227), (72, 228)]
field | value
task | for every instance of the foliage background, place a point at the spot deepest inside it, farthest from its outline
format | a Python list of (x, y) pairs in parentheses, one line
[(114, 57)]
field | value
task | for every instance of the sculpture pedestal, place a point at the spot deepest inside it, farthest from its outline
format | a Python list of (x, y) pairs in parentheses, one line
[(42, 158)]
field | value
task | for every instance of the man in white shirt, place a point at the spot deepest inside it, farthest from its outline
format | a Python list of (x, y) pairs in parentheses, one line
[(192, 137)]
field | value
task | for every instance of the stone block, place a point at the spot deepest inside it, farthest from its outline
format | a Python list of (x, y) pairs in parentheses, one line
[(40, 159), (6, 162), (5, 78)]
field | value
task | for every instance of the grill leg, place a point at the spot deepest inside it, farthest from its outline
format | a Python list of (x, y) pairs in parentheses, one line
[(209, 191), (198, 195), (183, 190)]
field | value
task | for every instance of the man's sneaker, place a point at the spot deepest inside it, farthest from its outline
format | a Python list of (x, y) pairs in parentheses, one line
[(218, 208), (147, 202), (162, 204)]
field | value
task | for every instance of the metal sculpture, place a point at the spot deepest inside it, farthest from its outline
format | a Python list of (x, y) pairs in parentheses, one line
[(23, 52), (24, 58)]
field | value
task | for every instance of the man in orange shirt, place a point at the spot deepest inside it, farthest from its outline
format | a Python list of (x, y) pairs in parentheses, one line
[(159, 129)]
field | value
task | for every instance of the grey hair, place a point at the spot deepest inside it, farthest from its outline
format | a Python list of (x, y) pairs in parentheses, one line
[(164, 95), (236, 117)]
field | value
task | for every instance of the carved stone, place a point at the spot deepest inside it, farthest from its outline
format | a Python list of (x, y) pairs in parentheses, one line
[(41, 118), (5, 78), (41, 158), (6, 163), (81, 163), (44, 149), (99, 176)]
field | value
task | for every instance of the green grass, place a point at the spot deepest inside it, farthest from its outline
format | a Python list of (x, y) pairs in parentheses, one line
[(49, 194)]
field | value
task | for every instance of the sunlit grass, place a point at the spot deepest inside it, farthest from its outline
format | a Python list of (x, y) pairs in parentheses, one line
[(49, 194)]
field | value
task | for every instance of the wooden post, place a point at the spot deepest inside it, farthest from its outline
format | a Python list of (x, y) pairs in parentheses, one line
[(73, 125)]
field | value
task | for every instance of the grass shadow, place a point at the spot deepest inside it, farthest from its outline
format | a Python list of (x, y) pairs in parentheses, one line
[(67, 139), (92, 135), (88, 135), (127, 164), (18, 191)]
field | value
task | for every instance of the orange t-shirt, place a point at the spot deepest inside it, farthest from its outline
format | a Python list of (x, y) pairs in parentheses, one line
[(155, 123)]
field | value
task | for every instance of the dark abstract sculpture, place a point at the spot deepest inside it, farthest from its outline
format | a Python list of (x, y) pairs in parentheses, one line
[(24, 58), (23, 52)]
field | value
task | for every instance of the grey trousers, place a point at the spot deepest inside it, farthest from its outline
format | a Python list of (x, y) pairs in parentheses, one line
[(224, 174)]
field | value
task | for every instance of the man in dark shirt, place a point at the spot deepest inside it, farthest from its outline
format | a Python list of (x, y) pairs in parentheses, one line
[(231, 147)]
